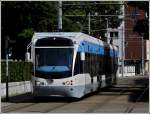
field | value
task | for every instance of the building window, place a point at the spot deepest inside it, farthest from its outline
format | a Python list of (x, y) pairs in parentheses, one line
[(111, 34), (114, 35)]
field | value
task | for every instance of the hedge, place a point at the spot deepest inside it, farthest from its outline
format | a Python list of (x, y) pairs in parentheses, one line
[(18, 71)]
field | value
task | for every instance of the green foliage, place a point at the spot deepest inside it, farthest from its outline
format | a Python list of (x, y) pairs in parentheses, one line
[(98, 23), (20, 19), (24, 18), (18, 71), (70, 25), (26, 33), (142, 26)]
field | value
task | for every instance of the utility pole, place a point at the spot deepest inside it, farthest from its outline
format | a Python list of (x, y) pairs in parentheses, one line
[(123, 38), (59, 15), (7, 42), (142, 43), (107, 30), (89, 27), (142, 56), (6, 51), (81, 28)]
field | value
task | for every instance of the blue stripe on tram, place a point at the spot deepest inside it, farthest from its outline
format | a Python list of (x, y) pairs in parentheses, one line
[(91, 48), (95, 49)]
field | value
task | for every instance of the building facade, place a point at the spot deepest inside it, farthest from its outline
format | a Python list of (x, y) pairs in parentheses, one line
[(136, 49)]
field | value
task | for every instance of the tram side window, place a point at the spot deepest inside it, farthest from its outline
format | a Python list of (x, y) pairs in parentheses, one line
[(91, 64), (111, 65), (77, 69), (100, 65), (115, 64), (96, 64), (106, 61), (85, 64), (95, 69)]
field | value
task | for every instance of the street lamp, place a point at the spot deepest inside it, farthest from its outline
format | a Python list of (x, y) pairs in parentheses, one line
[(6, 51), (7, 42), (81, 27), (107, 27), (89, 23)]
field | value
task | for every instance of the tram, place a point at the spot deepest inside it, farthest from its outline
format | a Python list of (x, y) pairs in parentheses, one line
[(71, 64)]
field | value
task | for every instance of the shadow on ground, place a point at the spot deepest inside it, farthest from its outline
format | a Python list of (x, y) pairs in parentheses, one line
[(28, 98), (142, 94), (139, 92)]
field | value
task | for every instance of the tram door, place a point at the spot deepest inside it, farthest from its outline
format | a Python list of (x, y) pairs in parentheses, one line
[(84, 68)]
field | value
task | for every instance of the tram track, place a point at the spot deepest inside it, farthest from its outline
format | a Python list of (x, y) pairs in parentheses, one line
[(97, 105), (89, 96), (17, 106), (123, 97), (33, 107), (117, 91), (106, 101), (54, 108), (130, 108), (49, 104), (45, 108)]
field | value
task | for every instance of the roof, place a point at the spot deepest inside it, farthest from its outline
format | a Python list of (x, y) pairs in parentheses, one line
[(75, 36)]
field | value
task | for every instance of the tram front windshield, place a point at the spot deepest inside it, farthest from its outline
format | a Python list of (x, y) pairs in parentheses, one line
[(54, 62)]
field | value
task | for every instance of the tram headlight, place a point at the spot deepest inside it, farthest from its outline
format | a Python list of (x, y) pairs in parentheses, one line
[(67, 82), (70, 82), (39, 83)]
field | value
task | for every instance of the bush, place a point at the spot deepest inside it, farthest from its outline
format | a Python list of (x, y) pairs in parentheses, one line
[(18, 71)]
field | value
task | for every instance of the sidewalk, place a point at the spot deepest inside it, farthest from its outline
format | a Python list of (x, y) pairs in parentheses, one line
[(16, 88), (137, 80)]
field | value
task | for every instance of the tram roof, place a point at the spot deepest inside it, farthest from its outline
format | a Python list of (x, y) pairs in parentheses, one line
[(74, 36)]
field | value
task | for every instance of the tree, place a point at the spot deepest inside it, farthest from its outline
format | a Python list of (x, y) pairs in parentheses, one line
[(98, 24), (27, 17), (21, 19), (142, 26)]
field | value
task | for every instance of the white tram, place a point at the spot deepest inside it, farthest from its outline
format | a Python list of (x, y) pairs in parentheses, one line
[(71, 64)]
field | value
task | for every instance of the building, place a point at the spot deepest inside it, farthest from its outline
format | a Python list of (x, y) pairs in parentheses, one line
[(134, 50), (133, 41)]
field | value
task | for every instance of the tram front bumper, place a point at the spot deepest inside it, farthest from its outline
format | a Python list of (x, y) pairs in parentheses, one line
[(66, 91)]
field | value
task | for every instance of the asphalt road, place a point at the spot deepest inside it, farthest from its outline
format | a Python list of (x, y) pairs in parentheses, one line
[(129, 95)]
